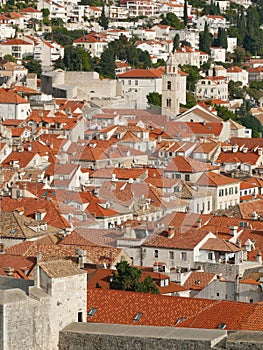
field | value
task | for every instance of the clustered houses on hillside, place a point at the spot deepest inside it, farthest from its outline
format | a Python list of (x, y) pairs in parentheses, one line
[(155, 167)]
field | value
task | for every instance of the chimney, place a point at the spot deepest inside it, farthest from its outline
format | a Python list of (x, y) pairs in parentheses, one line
[(82, 255), (1, 177), (37, 275), (236, 296), (170, 232), (199, 223), (2, 248), (29, 147), (259, 257), (24, 190), (233, 230)]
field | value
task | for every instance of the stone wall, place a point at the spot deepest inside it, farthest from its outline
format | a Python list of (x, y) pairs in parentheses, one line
[(79, 336), (95, 336)]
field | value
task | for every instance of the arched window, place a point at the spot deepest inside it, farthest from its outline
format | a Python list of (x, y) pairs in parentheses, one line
[(169, 85)]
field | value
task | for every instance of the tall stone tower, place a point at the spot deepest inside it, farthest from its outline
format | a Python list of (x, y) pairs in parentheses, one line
[(170, 88)]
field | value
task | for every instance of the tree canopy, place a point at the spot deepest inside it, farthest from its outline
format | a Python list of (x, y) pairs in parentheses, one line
[(128, 278), (205, 39), (75, 59), (154, 100), (33, 66), (172, 20)]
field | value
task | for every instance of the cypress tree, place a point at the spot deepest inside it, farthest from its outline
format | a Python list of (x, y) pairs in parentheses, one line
[(176, 42), (205, 39)]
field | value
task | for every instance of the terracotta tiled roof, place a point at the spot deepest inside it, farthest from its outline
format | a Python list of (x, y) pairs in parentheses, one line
[(124, 306), (152, 73), (216, 244), (250, 143), (10, 96), (238, 157), (120, 307), (93, 236), (198, 280), (187, 165), (234, 69), (30, 10), (185, 221), (187, 240), (248, 209), (214, 180), (60, 268), (16, 42), (52, 217)]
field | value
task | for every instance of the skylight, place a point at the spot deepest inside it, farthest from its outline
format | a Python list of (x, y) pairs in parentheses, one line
[(221, 326), (180, 319), (137, 317), (92, 311)]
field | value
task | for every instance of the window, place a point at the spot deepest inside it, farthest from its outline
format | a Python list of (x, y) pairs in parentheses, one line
[(236, 190), (169, 85), (171, 255), (129, 82), (92, 311), (178, 176), (221, 193), (136, 82), (217, 294), (156, 253), (183, 256), (168, 102), (210, 256), (137, 317), (187, 177), (226, 192), (208, 205)]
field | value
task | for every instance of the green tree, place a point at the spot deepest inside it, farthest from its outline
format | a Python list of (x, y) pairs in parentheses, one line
[(256, 85), (46, 14), (241, 25), (253, 39), (103, 20), (235, 90), (128, 278), (238, 56), (190, 100), (9, 58), (107, 64), (251, 122), (205, 39), (224, 113), (172, 20), (154, 100), (33, 66), (185, 13), (176, 42), (77, 59), (222, 38), (192, 77)]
